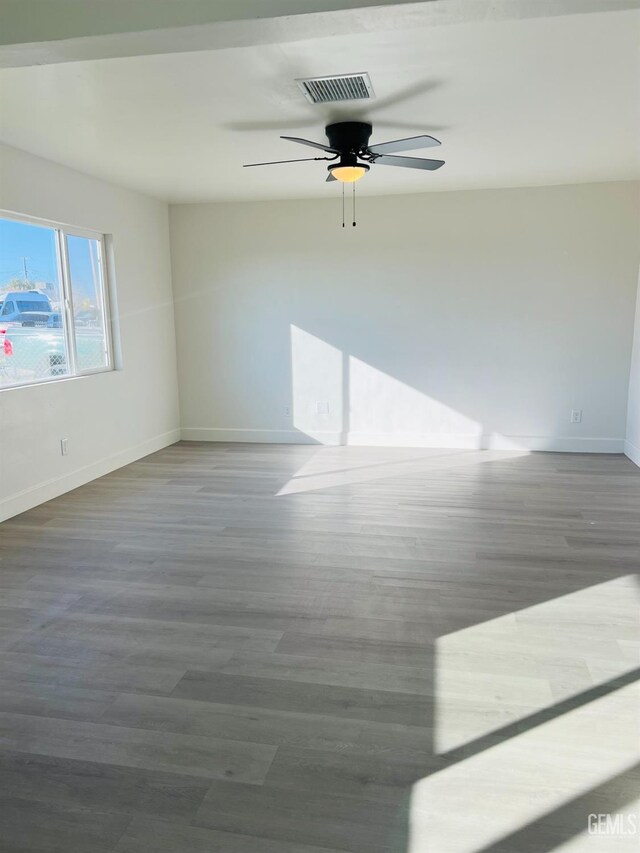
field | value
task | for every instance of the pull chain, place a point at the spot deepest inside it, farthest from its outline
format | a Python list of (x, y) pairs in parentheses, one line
[(354, 204), (343, 205)]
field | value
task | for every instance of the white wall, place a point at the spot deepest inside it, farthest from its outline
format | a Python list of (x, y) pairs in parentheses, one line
[(111, 418), (632, 443), (462, 319)]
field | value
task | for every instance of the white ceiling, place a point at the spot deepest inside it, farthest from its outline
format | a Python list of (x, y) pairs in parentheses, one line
[(515, 103)]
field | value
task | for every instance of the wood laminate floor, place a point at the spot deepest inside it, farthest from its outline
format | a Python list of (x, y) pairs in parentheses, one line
[(278, 649)]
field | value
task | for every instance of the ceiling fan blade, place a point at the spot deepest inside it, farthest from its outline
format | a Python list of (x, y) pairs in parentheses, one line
[(411, 144), (312, 144), (409, 162), (277, 162), (330, 178)]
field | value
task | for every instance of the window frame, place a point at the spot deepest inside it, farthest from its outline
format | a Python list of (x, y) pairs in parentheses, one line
[(61, 233)]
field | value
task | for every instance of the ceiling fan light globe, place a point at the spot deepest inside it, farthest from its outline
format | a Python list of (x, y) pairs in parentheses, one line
[(349, 174)]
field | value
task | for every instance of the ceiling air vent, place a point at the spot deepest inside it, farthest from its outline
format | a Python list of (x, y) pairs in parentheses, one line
[(339, 87)]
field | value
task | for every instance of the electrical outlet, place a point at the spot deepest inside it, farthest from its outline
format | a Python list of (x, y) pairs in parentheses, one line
[(64, 446), (576, 416), (322, 407)]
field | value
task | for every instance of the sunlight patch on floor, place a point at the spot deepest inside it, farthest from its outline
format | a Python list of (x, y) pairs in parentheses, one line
[(499, 671), (471, 805), (344, 467)]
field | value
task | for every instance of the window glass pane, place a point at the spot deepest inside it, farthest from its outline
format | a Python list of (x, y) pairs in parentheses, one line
[(89, 312), (32, 338)]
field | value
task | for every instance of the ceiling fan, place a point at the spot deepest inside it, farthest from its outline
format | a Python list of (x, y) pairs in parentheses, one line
[(352, 156)]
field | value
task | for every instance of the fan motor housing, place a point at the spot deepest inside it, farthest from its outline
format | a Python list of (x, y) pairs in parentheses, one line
[(349, 136)]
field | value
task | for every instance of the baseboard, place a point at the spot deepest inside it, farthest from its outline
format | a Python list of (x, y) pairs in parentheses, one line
[(489, 441), (251, 436), (633, 452), (39, 494)]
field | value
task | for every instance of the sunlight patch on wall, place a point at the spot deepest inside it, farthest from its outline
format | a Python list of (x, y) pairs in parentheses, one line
[(381, 405), (340, 399)]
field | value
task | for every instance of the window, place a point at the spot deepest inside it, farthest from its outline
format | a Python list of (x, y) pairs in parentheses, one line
[(54, 320)]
